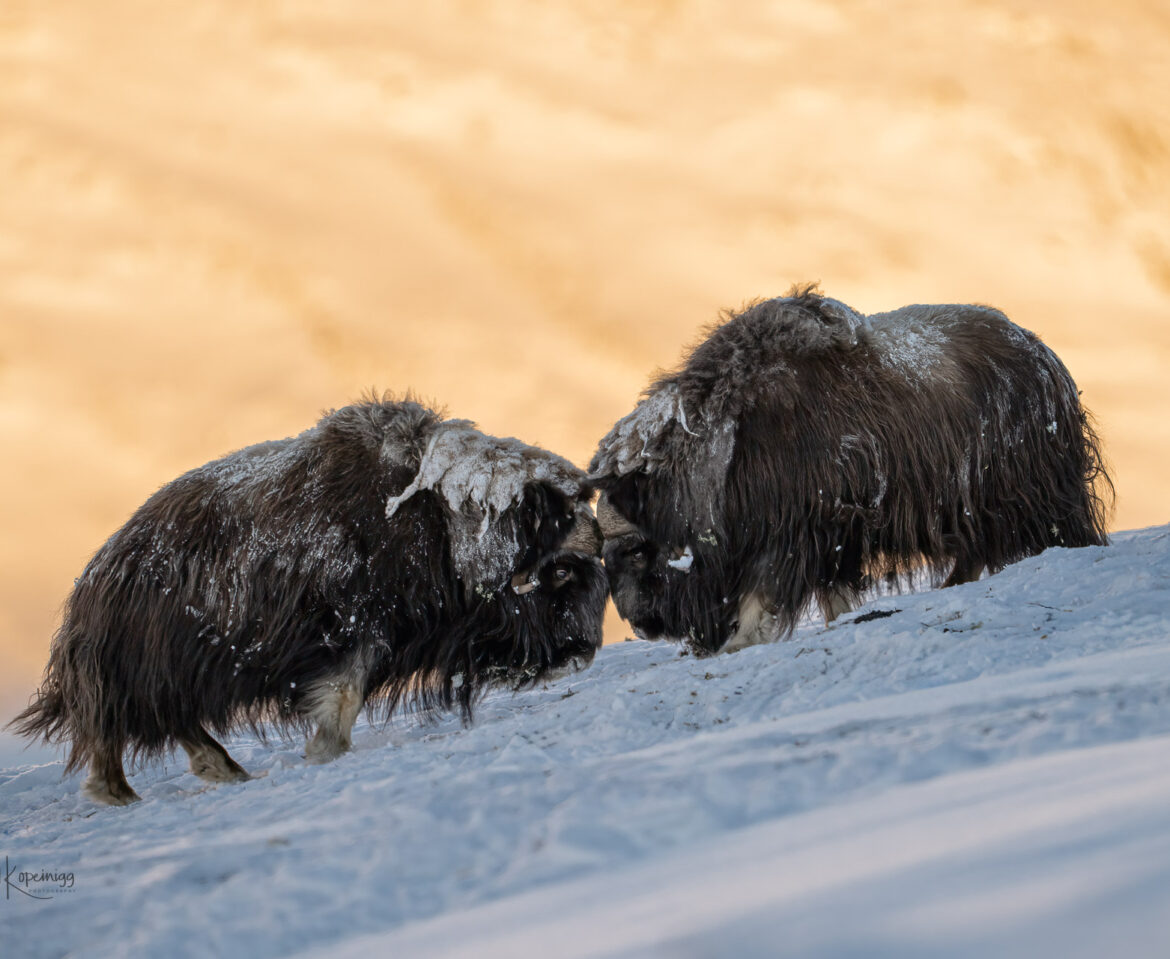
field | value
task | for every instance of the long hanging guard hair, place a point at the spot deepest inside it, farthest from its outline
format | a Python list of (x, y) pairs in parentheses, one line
[(239, 588), (803, 449)]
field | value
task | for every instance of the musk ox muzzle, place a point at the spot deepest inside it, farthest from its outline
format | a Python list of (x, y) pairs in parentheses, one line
[(371, 560)]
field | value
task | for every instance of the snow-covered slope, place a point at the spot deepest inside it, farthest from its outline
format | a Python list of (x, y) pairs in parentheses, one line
[(985, 771)]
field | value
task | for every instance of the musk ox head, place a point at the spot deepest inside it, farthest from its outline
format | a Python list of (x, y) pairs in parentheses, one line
[(803, 449), (524, 549), (662, 471)]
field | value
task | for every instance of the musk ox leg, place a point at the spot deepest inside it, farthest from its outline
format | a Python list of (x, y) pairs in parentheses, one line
[(106, 782), (756, 625), (210, 761), (834, 603), (965, 571), (334, 707)]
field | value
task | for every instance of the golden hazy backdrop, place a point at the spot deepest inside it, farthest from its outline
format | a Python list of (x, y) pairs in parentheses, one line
[(219, 218)]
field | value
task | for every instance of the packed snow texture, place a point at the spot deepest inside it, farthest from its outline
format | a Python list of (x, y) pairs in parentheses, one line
[(480, 477), (976, 771)]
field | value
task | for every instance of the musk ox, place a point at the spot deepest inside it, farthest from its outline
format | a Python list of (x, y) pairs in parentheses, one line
[(383, 556), (803, 449)]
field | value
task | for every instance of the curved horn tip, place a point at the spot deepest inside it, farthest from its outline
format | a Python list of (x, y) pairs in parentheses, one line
[(612, 523), (585, 535)]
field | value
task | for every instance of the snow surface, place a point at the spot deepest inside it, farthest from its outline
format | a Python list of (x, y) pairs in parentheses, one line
[(985, 772)]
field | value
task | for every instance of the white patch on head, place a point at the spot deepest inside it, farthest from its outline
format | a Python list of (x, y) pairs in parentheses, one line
[(479, 478), (683, 562), (647, 440), (636, 441)]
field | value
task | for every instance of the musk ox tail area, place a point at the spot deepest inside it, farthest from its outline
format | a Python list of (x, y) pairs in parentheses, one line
[(73, 705), (49, 717), (1090, 492)]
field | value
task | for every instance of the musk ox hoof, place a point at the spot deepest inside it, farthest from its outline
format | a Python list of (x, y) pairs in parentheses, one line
[(574, 665), (210, 761), (213, 770), (106, 793), (320, 751)]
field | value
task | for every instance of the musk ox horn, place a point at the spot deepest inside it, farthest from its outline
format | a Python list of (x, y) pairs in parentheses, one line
[(585, 535), (612, 523), (524, 582)]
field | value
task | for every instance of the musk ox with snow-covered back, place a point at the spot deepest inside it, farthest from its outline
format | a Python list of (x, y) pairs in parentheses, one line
[(382, 556), (803, 449)]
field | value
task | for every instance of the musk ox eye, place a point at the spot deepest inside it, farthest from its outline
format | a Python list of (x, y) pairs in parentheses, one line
[(561, 575)]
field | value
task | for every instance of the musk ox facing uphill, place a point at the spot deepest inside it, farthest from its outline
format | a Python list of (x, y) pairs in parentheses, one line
[(382, 555), (803, 449)]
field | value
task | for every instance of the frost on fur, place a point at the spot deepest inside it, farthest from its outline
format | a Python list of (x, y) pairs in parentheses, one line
[(638, 440), (662, 435), (480, 478)]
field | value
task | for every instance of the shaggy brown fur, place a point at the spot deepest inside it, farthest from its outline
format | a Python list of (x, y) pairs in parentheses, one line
[(803, 448), (375, 556)]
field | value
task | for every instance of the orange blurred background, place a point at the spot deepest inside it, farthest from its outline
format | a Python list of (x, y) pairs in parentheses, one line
[(218, 219)]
